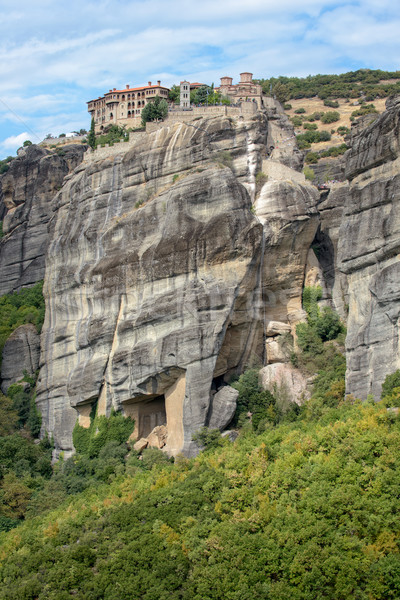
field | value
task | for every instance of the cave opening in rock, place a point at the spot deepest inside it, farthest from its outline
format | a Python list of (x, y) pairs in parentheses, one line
[(150, 414), (325, 253)]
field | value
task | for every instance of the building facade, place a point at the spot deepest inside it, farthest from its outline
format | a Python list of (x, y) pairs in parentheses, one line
[(185, 95), (244, 91), (124, 107)]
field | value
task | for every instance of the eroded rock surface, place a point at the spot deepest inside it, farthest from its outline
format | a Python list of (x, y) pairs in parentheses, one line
[(158, 272), (26, 193), (20, 353), (369, 253)]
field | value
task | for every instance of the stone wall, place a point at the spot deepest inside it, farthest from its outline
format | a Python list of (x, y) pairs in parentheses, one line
[(115, 149)]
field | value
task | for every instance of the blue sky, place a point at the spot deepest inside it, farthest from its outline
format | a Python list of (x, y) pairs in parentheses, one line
[(55, 56)]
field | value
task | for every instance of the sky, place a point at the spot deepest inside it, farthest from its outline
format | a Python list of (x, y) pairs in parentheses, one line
[(57, 55)]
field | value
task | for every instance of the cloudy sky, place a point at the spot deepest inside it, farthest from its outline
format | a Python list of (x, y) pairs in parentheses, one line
[(56, 55)]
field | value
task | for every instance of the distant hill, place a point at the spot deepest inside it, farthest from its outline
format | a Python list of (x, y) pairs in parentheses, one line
[(364, 83)]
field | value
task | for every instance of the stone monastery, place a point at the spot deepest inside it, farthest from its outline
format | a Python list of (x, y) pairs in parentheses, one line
[(124, 107)]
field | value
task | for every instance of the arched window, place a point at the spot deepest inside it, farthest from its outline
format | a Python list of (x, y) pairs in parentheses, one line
[(123, 97), (133, 105), (129, 113)]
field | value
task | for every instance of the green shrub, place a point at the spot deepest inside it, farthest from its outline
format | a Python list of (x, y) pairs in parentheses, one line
[(90, 441), (297, 121), (153, 457), (304, 140), (309, 173), (311, 158), (328, 324), (253, 402), (300, 111), (331, 103), (310, 126), (330, 117), (208, 438), (391, 382), (287, 107), (364, 110)]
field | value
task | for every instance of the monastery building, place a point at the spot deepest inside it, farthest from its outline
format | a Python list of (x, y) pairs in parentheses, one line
[(124, 107)]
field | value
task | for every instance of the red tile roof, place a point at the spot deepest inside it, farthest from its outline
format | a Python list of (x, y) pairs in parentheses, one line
[(127, 90)]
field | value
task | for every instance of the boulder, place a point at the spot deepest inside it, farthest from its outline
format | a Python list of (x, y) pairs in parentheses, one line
[(223, 406), (158, 437), (140, 444)]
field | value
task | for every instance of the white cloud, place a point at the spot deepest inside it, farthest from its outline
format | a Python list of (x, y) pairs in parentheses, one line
[(15, 141), (81, 49)]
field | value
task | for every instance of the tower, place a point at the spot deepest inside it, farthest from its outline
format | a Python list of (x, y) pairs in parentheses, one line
[(185, 95)]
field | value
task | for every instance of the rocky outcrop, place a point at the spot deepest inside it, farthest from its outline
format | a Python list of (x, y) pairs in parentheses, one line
[(328, 169), (287, 210), (147, 277), (20, 353), (368, 253), (157, 275), (286, 383), (26, 193)]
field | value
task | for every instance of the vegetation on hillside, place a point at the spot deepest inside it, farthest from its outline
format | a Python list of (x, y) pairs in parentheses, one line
[(365, 83), (306, 509)]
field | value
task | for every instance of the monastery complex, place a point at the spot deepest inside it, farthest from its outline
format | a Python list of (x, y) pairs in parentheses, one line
[(124, 107)]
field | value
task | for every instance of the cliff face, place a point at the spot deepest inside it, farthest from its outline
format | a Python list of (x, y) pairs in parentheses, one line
[(26, 194), (157, 276), (368, 254), (177, 261)]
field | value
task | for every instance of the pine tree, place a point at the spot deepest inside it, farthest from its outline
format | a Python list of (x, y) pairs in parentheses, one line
[(92, 136)]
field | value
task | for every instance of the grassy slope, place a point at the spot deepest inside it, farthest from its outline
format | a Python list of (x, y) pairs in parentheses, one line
[(345, 109)]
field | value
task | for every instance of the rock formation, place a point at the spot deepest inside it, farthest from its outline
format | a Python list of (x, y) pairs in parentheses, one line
[(180, 259), (368, 253), (26, 194), (20, 353), (157, 275)]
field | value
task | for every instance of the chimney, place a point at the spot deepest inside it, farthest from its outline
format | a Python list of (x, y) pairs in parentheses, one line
[(149, 83), (114, 89), (110, 90), (158, 82), (127, 86)]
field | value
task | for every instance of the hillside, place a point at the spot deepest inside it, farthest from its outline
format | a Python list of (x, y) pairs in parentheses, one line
[(306, 509)]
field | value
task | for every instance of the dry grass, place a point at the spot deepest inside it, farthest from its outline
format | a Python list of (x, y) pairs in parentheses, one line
[(345, 109)]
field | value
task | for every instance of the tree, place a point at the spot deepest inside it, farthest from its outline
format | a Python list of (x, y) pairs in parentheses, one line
[(156, 109), (27, 143), (174, 94), (92, 136)]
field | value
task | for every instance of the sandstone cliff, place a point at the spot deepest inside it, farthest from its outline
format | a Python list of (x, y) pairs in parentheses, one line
[(26, 194), (180, 259), (368, 253), (160, 279)]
